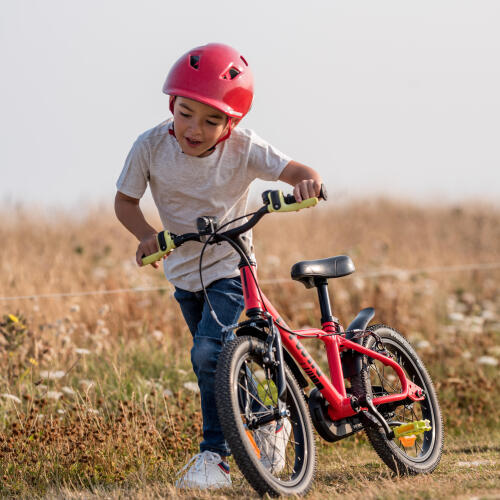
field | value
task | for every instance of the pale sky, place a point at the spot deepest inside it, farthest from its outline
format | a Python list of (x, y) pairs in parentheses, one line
[(390, 97)]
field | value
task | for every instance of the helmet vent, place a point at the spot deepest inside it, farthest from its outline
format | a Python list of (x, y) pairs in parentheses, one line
[(230, 73), (194, 61)]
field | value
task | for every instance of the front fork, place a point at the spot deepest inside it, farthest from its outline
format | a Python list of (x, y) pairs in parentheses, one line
[(274, 358)]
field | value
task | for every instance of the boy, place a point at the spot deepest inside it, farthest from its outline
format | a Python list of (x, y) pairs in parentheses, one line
[(198, 164)]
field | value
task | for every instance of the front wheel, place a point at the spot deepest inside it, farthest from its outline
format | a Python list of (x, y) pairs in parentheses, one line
[(271, 440), (418, 454)]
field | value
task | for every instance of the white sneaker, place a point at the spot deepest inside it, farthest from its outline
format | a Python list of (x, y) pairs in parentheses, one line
[(271, 440), (207, 471)]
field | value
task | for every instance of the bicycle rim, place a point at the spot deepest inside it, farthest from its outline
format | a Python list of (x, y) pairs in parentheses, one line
[(276, 457)]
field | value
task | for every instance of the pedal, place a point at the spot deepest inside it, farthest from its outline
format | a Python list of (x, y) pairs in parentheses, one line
[(412, 428)]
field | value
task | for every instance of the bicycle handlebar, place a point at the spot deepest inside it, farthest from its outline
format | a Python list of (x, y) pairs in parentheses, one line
[(274, 201)]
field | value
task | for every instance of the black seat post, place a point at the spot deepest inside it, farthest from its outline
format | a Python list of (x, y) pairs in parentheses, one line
[(324, 299)]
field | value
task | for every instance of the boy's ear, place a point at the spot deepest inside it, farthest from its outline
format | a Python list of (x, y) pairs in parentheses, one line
[(234, 122), (171, 103)]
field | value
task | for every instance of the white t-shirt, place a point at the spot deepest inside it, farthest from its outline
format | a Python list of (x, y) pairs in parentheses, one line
[(187, 187)]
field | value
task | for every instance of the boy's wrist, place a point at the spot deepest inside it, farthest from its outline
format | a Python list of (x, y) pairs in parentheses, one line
[(146, 233)]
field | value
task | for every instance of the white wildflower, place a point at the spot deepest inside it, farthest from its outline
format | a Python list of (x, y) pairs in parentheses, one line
[(402, 275), (80, 350), (11, 397), (68, 390), (61, 411), (158, 335), (87, 384), (423, 344), (74, 308), (475, 329), (167, 393), (456, 316), (52, 375), (99, 273), (358, 284), (474, 463), (104, 331), (307, 305), (92, 410), (181, 371), (495, 350), (272, 260), (466, 355), (488, 315), (487, 360), (191, 386), (54, 395), (100, 322)]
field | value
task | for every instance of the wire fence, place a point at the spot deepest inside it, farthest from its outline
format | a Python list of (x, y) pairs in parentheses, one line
[(398, 273)]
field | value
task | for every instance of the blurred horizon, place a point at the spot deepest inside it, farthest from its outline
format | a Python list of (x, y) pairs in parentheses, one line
[(391, 99)]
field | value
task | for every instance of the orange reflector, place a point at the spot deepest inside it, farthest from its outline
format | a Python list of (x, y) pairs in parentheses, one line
[(408, 441), (254, 444)]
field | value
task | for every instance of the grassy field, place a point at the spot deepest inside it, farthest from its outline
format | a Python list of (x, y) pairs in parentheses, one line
[(97, 396)]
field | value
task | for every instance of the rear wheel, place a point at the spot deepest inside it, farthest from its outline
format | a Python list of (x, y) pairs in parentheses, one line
[(417, 454), (277, 457)]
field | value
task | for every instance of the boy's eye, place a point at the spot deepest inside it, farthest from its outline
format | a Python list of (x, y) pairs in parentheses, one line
[(184, 114), (211, 123)]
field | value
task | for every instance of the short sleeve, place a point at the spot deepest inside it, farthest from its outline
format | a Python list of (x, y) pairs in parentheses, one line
[(134, 178), (265, 161)]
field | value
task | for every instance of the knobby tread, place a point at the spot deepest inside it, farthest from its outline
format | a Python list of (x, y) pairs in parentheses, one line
[(384, 448), (242, 455)]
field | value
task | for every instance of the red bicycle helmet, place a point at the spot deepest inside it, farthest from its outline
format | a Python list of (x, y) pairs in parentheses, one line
[(214, 74)]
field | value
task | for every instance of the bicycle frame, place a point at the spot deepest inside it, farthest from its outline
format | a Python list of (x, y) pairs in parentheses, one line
[(333, 337)]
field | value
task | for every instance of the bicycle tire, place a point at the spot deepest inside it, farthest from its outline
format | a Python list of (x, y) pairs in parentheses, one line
[(424, 455), (241, 374)]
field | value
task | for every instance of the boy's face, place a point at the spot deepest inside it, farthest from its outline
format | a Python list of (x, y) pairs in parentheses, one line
[(197, 126)]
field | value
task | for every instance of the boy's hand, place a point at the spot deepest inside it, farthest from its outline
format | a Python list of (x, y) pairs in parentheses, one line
[(147, 246), (308, 188)]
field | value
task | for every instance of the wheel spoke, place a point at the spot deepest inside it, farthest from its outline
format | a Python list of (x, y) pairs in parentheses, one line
[(419, 454)]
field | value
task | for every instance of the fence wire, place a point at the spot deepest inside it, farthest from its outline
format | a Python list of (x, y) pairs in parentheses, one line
[(398, 273)]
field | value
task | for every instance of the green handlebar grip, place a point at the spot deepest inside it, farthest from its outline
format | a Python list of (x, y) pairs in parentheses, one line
[(291, 207), (152, 258), (165, 244)]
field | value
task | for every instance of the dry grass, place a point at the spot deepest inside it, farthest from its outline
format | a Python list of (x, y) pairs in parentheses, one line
[(103, 409)]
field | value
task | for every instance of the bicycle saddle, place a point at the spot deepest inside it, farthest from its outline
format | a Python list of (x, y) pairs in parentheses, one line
[(307, 271)]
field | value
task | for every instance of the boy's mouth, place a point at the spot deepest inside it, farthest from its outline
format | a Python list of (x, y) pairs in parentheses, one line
[(193, 143)]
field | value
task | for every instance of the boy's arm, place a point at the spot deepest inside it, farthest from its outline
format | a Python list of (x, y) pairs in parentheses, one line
[(130, 215), (306, 181)]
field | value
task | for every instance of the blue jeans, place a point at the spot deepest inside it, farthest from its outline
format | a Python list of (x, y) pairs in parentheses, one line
[(226, 297)]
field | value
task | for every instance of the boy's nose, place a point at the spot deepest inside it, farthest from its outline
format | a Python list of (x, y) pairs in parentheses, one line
[(195, 128)]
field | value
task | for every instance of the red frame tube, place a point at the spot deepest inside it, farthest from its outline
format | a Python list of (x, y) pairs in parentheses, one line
[(333, 390)]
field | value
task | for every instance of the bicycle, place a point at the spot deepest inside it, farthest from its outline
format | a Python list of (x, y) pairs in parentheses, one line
[(267, 417)]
